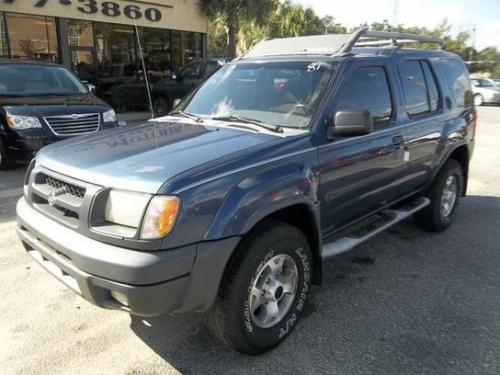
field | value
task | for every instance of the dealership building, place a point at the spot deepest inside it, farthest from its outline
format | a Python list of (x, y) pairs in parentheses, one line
[(99, 40)]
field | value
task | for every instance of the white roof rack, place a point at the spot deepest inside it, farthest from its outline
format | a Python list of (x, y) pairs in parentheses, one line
[(304, 45), (334, 44)]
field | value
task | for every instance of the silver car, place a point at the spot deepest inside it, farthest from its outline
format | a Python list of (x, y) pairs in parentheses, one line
[(486, 91)]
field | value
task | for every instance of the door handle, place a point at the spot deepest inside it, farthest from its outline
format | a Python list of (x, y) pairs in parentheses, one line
[(398, 140)]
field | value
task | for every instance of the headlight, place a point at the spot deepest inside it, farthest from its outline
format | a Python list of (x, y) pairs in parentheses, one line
[(160, 217), (128, 208), (109, 116), (23, 122)]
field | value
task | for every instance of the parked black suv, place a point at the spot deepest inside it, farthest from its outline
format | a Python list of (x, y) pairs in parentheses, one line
[(166, 91), (41, 103), (298, 151)]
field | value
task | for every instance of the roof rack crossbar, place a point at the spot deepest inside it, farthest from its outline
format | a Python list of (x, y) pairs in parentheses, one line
[(366, 37), (347, 47)]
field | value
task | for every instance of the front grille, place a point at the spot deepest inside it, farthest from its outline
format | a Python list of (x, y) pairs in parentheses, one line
[(73, 190), (74, 124), (57, 197)]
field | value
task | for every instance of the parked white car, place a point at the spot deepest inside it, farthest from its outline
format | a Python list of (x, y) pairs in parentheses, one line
[(486, 91)]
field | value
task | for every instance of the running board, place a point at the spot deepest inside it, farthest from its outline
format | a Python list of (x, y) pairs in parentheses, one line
[(383, 221)]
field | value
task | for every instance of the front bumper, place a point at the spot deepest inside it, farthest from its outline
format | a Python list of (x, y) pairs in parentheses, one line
[(23, 149), (151, 283)]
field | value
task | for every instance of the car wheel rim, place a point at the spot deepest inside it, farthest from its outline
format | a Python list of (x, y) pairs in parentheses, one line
[(478, 100), (449, 196), (273, 290)]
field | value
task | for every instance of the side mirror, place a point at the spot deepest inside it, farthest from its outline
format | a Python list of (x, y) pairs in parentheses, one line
[(176, 103), (351, 123)]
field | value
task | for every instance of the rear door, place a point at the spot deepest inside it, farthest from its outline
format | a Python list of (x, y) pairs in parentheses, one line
[(361, 174), (424, 117)]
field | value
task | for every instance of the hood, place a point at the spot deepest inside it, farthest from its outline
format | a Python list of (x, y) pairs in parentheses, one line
[(51, 105), (144, 157), (81, 99)]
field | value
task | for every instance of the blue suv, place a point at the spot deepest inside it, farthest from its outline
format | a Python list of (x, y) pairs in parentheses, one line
[(297, 151)]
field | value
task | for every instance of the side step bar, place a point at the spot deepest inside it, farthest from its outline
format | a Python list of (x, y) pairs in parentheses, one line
[(383, 221)]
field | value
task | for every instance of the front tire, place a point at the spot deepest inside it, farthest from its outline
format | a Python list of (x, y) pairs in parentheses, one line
[(445, 194), (264, 290)]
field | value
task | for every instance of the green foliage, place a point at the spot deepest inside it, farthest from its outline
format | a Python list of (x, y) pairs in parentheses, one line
[(230, 14), (261, 19)]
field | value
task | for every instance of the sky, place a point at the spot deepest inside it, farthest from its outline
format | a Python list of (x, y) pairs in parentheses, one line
[(484, 15)]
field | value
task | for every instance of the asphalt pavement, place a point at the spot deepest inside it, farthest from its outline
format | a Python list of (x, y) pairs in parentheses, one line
[(406, 302)]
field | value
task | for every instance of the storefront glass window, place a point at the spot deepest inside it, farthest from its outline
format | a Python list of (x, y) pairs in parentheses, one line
[(32, 37), (115, 44), (80, 34), (177, 57), (4, 47), (192, 47), (156, 47), (120, 79), (81, 47)]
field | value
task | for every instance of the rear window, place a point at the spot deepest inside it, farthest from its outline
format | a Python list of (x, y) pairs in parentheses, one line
[(419, 87), (38, 80), (457, 79)]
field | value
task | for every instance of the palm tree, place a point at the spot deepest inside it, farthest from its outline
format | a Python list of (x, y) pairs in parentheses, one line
[(233, 12)]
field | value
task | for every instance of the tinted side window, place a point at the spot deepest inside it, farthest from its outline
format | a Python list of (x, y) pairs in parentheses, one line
[(431, 86), (368, 89), (458, 81), (414, 88)]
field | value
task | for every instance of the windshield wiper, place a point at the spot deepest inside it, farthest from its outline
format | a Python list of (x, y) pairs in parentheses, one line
[(187, 115), (245, 120)]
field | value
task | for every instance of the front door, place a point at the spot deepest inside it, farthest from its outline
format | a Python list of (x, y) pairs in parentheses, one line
[(360, 174)]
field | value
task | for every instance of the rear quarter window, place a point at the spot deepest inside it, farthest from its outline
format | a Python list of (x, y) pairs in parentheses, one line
[(456, 77)]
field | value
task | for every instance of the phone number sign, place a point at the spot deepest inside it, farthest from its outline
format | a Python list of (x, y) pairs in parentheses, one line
[(135, 11)]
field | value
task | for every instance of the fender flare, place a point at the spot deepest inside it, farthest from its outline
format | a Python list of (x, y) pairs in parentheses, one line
[(444, 159)]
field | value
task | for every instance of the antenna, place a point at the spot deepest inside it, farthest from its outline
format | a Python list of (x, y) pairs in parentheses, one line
[(146, 78)]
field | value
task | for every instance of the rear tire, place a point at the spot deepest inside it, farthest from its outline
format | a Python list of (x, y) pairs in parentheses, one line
[(445, 194), (264, 290), (5, 161)]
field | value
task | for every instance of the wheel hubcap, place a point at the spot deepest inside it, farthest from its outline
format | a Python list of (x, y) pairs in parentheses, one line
[(273, 290), (449, 196)]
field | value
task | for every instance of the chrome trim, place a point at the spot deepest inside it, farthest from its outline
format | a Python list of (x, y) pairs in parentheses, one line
[(82, 121)]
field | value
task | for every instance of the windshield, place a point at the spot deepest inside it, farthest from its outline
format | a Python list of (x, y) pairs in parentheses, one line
[(38, 80), (285, 93)]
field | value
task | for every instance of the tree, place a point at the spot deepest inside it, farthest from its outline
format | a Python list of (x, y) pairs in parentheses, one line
[(291, 20), (231, 13)]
